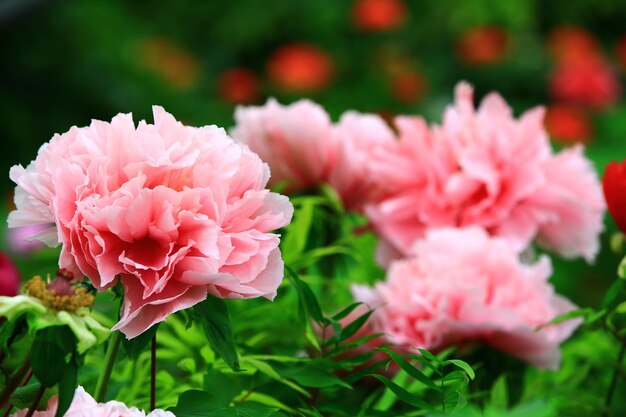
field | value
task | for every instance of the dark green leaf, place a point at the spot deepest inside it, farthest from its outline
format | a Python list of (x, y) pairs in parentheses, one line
[(67, 387), (136, 345), (215, 321), (344, 312), (355, 325), (52, 348), (306, 297)]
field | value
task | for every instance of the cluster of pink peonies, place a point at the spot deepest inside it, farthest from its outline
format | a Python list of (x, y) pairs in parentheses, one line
[(176, 212), (463, 285), (83, 404), (479, 167), (489, 181)]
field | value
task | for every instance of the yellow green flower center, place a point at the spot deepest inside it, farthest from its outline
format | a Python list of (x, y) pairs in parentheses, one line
[(75, 299)]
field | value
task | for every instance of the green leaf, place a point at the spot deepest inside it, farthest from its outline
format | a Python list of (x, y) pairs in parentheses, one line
[(403, 394), (268, 370), (354, 326), (52, 348), (410, 369), (314, 376), (500, 394), (67, 387), (621, 269), (295, 240), (214, 318), (462, 365), (306, 297), (195, 403), (136, 345), (344, 312), (581, 312)]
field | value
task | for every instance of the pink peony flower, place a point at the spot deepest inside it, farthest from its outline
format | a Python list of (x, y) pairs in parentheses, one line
[(177, 212), (462, 285), (295, 140), (9, 277), (485, 168), (84, 405), (358, 137)]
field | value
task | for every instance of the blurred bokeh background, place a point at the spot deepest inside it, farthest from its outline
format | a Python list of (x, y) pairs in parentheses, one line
[(63, 63)]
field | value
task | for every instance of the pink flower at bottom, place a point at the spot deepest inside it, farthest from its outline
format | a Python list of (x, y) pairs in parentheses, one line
[(176, 212), (463, 285), (83, 405)]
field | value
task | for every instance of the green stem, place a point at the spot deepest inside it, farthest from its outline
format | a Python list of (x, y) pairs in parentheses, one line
[(36, 401), (109, 361), (613, 386), (14, 381)]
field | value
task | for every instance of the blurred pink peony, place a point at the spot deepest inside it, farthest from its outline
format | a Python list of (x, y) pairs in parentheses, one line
[(358, 137), (9, 277), (20, 241), (177, 212), (304, 149), (462, 285), (485, 168), (83, 404), (295, 140)]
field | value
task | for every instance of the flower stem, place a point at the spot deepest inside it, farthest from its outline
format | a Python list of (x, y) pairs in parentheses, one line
[(153, 373), (36, 401), (613, 386), (109, 361), (14, 381)]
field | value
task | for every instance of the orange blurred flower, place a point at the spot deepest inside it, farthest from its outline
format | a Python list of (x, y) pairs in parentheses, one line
[(378, 15), (408, 86), (300, 67), (591, 83), (482, 45), (568, 124), (238, 85), (573, 44), (176, 66)]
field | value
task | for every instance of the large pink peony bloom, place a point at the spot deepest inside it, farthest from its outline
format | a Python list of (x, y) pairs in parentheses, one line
[(296, 140), (485, 168), (463, 285), (177, 212), (83, 405)]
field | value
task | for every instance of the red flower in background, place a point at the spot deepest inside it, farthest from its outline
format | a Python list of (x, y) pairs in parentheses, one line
[(590, 83), (378, 15), (408, 86), (9, 277), (300, 67), (614, 187), (238, 85), (568, 124), (482, 45), (573, 44)]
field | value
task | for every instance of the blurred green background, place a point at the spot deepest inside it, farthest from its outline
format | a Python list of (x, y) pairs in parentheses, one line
[(63, 63)]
